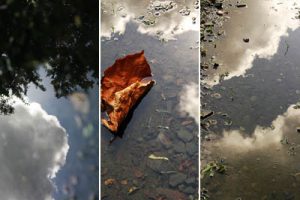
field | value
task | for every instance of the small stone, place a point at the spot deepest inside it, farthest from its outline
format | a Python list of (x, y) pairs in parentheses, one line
[(246, 40), (216, 65), (190, 181), (165, 140), (189, 190), (185, 135), (176, 179), (179, 147), (219, 5), (241, 5), (220, 13), (191, 148)]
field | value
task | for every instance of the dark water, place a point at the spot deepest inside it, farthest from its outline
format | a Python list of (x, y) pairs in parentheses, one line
[(49, 55), (155, 124), (257, 140)]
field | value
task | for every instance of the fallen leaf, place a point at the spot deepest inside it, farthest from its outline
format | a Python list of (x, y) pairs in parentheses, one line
[(154, 157), (109, 181), (122, 86)]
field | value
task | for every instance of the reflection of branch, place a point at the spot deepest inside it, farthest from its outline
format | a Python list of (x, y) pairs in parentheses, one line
[(287, 47)]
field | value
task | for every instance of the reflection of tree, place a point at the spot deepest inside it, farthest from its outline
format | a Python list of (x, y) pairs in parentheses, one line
[(59, 35)]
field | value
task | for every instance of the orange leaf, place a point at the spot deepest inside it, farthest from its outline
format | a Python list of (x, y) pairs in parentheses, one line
[(122, 86)]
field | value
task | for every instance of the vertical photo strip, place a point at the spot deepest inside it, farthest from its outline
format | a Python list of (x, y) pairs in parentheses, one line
[(49, 100), (150, 105), (250, 118)]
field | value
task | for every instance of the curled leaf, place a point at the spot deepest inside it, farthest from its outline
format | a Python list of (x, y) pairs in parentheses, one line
[(122, 86)]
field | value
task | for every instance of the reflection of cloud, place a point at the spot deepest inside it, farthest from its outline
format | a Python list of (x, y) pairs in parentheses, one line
[(189, 101), (264, 23), (33, 146), (260, 163), (284, 126), (116, 14)]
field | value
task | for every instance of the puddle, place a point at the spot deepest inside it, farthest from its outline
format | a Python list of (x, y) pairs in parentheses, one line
[(49, 67), (253, 129), (264, 23), (162, 126)]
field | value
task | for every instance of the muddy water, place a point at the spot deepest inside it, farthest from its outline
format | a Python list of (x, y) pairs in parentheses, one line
[(256, 134), (163, 124), (263, 23)]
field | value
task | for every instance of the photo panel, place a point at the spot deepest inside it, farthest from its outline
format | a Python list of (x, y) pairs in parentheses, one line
[(150, 99), (250, 99), (49, 100)]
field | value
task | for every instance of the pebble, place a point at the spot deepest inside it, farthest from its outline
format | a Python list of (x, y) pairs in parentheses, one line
[(179, 147), (191, 148), (176, 179), (185, 135)]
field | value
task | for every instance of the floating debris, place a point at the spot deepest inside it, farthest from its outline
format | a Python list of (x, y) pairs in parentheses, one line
[(213, 167), (132, 190), (185, 11), (205, 114), (158, 7), (162, 111), (241, 5), (216, 95), (220, 13), (109, 181), (297, 106), (154, 157), (218, 5)]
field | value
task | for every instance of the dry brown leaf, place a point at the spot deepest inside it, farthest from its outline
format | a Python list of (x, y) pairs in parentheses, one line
[(122, 86)]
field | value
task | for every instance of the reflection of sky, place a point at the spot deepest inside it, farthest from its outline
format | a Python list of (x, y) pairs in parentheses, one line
[(116, 14), (264, 23), (261, 146), (79, 176), (263, 161)]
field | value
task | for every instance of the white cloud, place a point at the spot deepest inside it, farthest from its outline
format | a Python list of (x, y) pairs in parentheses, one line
[(33, 147)]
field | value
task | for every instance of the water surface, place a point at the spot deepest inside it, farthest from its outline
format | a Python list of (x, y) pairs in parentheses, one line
[(163, 124), (255, 136)]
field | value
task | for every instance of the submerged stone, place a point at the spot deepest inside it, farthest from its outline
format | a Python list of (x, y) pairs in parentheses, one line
[(179, 147), (176, 179), (185, 135)]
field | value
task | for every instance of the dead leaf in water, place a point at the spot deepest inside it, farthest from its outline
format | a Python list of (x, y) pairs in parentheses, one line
[(109, 181), (122, 86)]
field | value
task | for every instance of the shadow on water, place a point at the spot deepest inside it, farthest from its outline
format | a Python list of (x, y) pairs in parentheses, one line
[(60, 36)]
